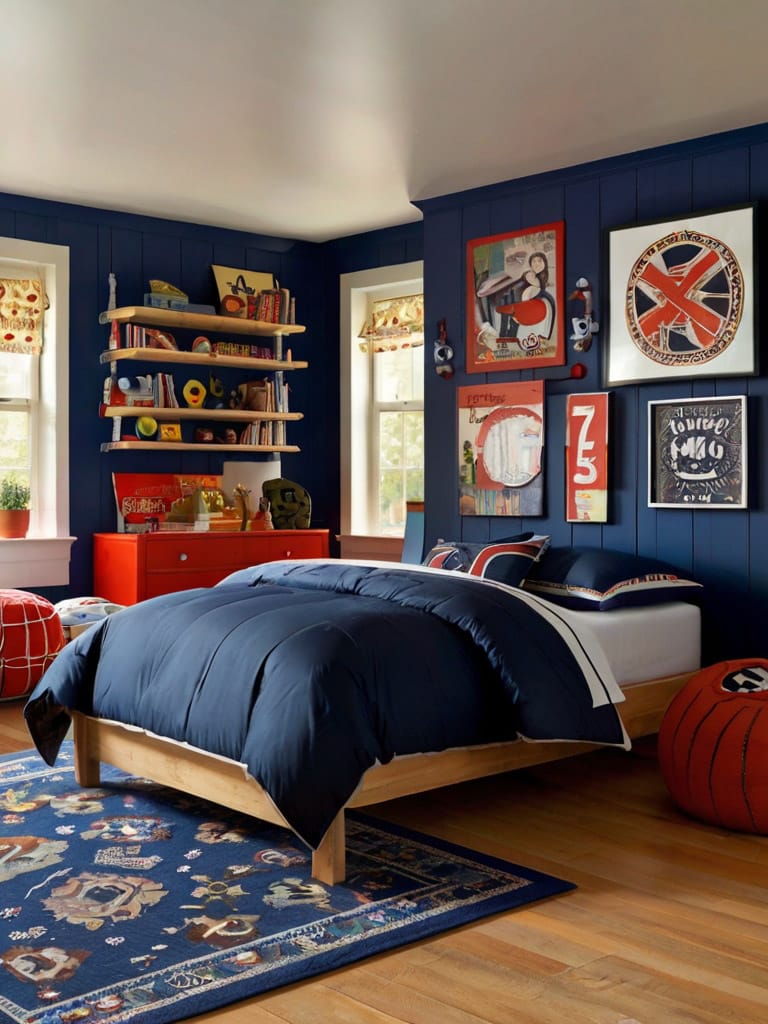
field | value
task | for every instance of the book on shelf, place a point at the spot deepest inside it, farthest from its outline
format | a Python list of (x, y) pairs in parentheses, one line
[(136, 336), (275, 306), (236, 348), (164, 392), (269, 394)]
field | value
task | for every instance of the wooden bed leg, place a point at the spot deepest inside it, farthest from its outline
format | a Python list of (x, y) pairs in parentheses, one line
[(87, 766), (329, 859)]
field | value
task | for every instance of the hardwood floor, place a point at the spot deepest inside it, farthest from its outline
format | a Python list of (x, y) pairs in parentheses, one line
[(669, 924)]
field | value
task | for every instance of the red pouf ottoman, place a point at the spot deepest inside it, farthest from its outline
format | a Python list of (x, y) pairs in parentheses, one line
[(31, 635), (713, 745)]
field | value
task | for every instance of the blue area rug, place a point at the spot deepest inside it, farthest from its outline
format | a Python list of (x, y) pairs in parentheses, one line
[(135, 902)]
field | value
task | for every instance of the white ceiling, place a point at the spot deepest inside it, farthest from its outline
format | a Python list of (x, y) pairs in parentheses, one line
[(316, 119)]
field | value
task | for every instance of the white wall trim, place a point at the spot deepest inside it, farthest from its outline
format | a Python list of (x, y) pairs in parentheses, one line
[(354, 292), (42, 558)]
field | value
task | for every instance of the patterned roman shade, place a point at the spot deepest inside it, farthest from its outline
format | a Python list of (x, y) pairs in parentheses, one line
[(22, 307), (393, 324)]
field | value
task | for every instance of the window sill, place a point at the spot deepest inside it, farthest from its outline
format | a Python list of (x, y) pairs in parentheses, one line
[(34, 562), (380, 549)]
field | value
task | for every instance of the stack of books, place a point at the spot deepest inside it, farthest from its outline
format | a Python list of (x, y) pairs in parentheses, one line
[(268, 395), (136, 336), (275, 306), (235, 348)]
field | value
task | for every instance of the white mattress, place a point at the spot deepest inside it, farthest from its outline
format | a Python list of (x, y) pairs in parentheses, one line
[(638, 643), (646, 643)]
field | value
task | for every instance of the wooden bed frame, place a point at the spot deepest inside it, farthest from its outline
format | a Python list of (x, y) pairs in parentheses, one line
[(226, 782)]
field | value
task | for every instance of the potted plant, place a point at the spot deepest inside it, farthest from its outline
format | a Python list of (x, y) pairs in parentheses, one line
[(14, 506)]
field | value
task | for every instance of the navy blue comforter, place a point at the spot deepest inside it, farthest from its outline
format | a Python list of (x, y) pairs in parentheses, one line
[(309, 673)]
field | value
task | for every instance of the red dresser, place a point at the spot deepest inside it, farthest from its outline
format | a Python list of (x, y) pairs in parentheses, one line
[(130, 567)]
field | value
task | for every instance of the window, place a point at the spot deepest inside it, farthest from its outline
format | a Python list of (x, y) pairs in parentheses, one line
[(396, 466), (34, 423), (19, 392), (382, 457)]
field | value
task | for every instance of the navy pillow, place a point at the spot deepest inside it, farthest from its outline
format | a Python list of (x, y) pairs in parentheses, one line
[(594, 579), (508, 560)]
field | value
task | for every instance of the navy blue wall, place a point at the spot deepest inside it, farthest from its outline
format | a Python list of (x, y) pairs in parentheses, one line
[(725, 549), (388, 247), (140, 248)]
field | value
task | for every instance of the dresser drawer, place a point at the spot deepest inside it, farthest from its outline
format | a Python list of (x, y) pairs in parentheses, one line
[(288, 544), (132, 567), (191, 552)]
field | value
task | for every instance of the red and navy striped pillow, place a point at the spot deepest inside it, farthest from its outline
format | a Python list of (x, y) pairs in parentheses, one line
[(507, 561)]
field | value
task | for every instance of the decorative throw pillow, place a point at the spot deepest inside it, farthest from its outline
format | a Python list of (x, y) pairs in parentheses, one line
[(507, 561), (599, 580)]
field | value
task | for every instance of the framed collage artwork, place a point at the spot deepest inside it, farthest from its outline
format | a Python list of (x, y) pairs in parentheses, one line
[(682, 298), (515, 302), (501, 443), (697, 453)]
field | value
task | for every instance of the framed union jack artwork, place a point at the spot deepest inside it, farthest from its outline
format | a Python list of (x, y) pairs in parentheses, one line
[(682, 298)]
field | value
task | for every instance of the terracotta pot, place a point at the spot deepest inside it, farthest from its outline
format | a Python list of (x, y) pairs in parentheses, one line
[(14, 522)]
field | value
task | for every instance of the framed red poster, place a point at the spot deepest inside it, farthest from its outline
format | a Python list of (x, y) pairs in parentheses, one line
[(501, 441), (586, 458), (515, 300)]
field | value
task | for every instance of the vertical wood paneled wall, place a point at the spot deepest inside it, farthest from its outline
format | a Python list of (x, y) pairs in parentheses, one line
[(137, 249), (726, 550)]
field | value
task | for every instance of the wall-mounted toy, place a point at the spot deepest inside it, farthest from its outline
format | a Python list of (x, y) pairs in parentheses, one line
[(443, 353), (584, 327)]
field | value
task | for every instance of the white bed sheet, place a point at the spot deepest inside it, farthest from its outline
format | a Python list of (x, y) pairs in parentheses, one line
[(647, 643), (638, 643)]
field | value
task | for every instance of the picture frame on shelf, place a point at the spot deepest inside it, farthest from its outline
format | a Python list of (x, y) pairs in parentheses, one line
[(239, 289), (682, 298), (697, 453), (515, 300)]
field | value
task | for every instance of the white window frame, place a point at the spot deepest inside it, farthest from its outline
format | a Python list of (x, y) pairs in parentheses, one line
[(356, 499), (375, 410), (41, 559)]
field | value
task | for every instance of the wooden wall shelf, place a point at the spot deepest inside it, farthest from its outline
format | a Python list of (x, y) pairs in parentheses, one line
[(197, 321), (212, 359), (160, 317), (225, 415), (180, 446)]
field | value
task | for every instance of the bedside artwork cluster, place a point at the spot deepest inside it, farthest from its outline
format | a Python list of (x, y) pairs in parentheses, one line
[(682, 305)]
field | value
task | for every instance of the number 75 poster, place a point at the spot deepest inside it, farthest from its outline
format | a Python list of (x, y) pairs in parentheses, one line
[(586, 458)]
